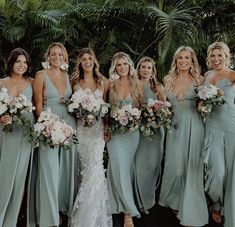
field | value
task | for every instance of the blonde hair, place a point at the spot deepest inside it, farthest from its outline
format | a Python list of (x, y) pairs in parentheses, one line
[(153, 79), (174, 72), (58, 44), (134, 81), (223, 48), (78, 73)]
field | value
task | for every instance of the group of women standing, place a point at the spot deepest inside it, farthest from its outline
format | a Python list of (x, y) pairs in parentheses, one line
[(73, 182)]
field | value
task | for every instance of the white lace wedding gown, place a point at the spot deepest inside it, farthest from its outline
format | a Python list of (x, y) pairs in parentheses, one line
[(90, 208)]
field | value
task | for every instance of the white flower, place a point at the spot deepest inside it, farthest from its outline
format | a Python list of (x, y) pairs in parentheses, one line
[(3, 108), (45, 115), (39, 127)]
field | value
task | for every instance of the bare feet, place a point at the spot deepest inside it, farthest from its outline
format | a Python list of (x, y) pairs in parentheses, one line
[(128, 222), (216, 216)]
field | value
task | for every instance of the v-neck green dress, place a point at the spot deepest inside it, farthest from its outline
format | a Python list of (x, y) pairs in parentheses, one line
[(121, 171), (56, 167), (182, 186), (15, 160), (219, 154), (148, 163)]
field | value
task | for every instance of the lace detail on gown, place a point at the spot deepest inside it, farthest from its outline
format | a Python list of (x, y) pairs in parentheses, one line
[(90, 207)]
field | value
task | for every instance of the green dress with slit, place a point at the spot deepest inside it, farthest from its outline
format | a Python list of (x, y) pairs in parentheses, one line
[(55, 190), (182, 186), (219, 154)]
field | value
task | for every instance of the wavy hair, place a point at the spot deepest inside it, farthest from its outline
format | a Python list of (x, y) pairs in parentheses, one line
[(153, 79), (223, 48), (194, 71), (78, 73), (12, 59), (132, 76), (57, 44)]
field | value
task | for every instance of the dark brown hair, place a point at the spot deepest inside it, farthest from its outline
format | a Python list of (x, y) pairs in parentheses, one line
[(12, 59)]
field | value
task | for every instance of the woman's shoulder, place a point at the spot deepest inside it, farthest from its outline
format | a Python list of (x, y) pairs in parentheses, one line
[(3, 80), (40, 74)]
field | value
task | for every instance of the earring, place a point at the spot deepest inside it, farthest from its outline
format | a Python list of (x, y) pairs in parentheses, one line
[(64, 66), (46, 64), (114, 76)]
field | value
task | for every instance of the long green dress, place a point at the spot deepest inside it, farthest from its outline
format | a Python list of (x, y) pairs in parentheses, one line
[(148, 163), (16, 158), (121, 171), (219, 153), (182, 186), (56, 167)]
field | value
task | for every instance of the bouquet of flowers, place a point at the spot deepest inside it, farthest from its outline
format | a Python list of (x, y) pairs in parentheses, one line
[(17, 108), (210, 96), (50, 129), (155, 114), (87, 106), (124, 118)]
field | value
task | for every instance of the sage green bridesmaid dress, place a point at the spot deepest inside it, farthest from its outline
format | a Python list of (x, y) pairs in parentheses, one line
[(56, 167), (148, 163), (219, 154), (121, 171), (15, 160), (182, 186)]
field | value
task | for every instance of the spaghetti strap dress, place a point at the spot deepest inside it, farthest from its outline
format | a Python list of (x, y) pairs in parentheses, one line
[(182, 186), (121, 170), (148, 163), (55, 190), (15, 161), (219, 154)]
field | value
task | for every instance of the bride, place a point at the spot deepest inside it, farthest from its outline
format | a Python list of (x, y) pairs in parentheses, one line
[(90, 207)]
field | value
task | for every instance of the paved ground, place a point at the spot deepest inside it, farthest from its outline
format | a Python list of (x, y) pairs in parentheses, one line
[(158, 217)]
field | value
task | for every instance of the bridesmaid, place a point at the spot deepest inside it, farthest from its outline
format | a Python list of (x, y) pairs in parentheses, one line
[(149, 153), (219, 143), (182, 183), (15, 149), (125, 88), (56, 167)]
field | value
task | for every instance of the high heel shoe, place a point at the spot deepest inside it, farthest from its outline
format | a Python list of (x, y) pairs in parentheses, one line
[(128, 222)]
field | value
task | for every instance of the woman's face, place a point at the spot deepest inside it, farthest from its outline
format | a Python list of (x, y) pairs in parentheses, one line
[(87, 62), (184, 61), (218, 59), (56, 57), (122, 67), (146, 70), (20, 66)]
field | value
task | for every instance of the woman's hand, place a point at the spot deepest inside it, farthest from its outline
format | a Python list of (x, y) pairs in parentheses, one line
[(107, 134), (200, 106), (6, 119)]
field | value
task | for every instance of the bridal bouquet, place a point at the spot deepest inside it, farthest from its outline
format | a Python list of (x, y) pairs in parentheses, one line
[(153, 115), (17, 108), (211, 97), (50, 129), (87, 106), (124, 118)]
